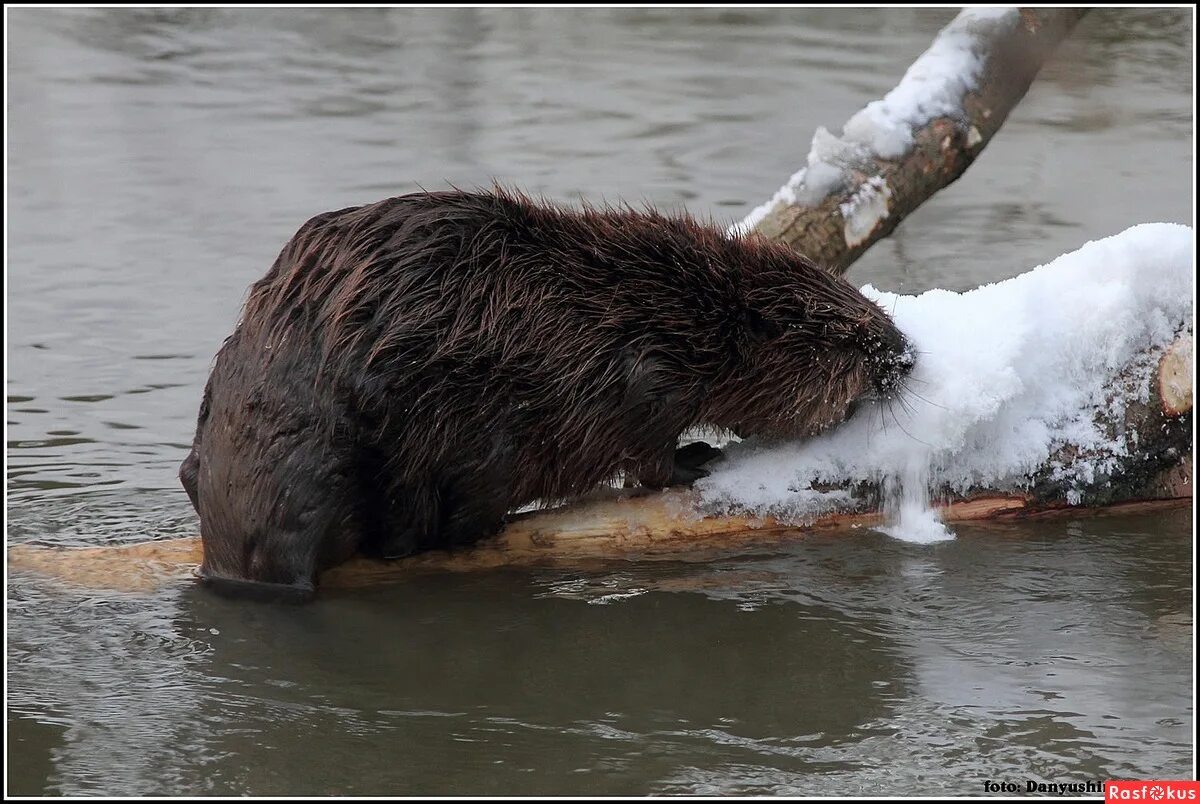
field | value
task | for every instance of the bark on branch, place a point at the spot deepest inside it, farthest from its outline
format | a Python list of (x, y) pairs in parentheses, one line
[(856, 189)]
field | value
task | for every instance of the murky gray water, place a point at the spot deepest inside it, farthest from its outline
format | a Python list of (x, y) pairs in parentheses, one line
[(158, 159)]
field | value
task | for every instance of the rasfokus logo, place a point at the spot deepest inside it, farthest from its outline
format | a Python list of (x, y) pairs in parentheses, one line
[(1152, 791)]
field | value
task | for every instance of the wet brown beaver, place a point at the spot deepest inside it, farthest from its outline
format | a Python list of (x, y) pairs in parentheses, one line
[(411, 370)]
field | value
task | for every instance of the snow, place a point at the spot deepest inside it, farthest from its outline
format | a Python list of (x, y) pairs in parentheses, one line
[(934, 86), (868, 206), (1006, 375)]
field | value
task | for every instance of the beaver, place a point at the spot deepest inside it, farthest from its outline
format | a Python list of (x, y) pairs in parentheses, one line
[(410, 371)]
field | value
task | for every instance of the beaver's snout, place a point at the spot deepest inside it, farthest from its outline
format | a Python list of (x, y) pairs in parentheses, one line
[(891, 359)]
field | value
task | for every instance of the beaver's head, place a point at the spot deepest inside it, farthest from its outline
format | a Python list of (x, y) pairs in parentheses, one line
[(811, 348)]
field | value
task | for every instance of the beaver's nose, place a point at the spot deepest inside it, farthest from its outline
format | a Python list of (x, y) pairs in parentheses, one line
[(891, 364)]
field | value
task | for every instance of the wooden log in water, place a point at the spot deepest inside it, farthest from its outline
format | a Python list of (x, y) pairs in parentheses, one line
[(625, 527)]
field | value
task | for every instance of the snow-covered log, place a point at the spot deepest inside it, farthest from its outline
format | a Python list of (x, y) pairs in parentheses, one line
[(896, 152), (1067, 385)]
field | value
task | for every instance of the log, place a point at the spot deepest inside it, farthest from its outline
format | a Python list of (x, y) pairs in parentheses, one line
[(625, 527), (896, 153), (1156, 429)]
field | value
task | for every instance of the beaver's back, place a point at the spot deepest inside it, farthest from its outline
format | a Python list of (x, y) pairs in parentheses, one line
[(464, 324)]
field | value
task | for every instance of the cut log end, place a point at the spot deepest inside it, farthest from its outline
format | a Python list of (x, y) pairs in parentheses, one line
[(1175, 378)]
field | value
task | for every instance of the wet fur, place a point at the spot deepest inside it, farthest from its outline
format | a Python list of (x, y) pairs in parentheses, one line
[(409, 371)]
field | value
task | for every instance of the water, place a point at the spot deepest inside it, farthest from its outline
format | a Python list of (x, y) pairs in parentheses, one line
[(158, 159)]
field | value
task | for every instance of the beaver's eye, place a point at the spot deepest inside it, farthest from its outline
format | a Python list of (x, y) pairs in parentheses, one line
[(762, 327), (800, 319)]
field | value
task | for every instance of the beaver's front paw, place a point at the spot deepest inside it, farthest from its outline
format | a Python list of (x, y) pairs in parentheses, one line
[(688, 462)]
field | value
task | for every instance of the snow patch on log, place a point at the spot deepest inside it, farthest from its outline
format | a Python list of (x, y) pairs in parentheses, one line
[(933, 87), (1007, 375), (868, 206)]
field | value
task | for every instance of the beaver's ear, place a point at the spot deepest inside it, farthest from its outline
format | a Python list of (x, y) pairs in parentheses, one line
[(761, 327)]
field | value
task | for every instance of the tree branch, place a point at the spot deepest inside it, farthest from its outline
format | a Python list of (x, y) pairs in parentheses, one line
[(896, 153)]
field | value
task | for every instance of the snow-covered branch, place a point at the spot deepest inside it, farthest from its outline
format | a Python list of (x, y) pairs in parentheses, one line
[(896, 152)]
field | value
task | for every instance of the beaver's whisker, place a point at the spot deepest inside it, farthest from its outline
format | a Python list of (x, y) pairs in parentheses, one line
[(904, 404), (901, 426), (910, 392), (911, 378)]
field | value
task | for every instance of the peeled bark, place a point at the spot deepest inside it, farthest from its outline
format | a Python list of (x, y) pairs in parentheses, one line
[(594, 530), (885, 191)]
